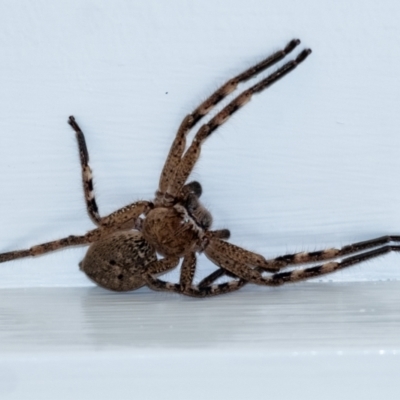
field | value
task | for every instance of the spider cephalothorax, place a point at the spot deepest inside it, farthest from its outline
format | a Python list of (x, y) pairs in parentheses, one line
[(123, 248)]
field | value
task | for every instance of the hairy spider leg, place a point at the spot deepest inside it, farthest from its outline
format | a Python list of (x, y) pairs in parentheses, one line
[(280, 278), (122, 219), (235, 266), (185, 285), (207, 289), (191, 156), (87, 176), (179, 144), (310, 257)]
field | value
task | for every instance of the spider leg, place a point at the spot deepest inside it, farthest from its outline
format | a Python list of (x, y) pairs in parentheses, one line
[(43, 248), (189, 159), (280, 278), (179, 144), (186, 286), (221, 233), (226, 89), (219, 273), (124, 218), (238, 254), (160, 267), (304, 257), (210, 279), (332, 253), (87, 180), (188, 271), (186, 281), (173, 159)]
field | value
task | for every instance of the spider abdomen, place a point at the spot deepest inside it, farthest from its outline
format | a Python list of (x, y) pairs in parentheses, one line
[(117, 261)]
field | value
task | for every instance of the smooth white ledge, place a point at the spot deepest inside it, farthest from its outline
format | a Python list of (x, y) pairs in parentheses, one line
[(89, 343)]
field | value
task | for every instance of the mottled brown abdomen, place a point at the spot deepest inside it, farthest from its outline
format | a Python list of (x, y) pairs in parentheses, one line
[(116, 262)]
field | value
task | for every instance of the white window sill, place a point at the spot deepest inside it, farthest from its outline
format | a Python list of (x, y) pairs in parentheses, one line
[(288, 342)]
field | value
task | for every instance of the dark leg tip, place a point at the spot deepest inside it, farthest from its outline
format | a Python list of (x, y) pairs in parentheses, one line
[(303, 55), (225, 234), (222, 234), (72, 122), (291, 45)]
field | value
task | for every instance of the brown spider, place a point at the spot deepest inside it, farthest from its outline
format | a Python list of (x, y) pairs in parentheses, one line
[(123, 248)]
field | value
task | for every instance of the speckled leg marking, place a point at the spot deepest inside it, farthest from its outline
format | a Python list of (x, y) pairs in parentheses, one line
[(190, 157), (186, 281), (87, 176), (280, 278), (185, 285), (238, 254), (329, 254), (309, 257), (121, 219), (125, 217), (50, 246), (188, 271), (167, 178), (157, 268)]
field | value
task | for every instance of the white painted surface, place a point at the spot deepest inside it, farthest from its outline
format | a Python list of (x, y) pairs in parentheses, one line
[(312, 162), (335, 340)]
